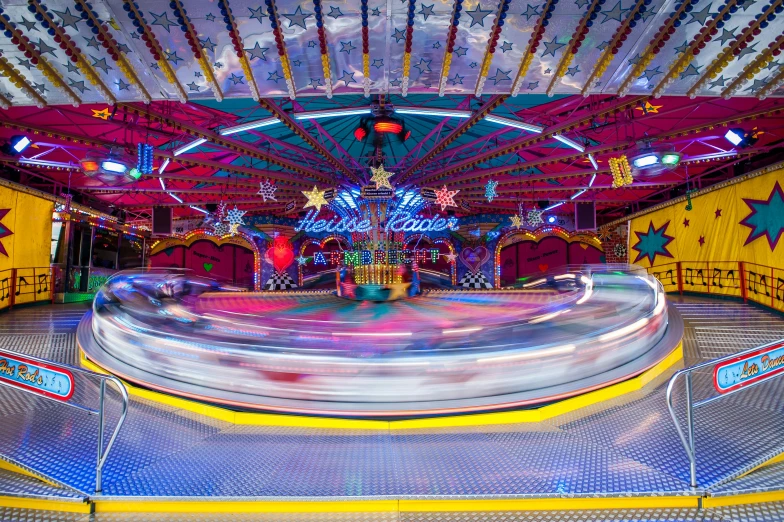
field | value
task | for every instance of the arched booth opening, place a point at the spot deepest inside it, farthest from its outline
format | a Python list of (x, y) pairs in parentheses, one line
[(230, 259), (434, 274), (327, 256), (524, 253)]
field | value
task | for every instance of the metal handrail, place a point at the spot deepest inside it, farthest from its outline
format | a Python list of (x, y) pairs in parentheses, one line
[(687, 440), (103, 453)]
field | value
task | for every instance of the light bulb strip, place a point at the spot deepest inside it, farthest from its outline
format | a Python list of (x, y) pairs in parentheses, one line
[(701, 39), (616, 42), (754, 67), (450, 46), (239, 49), (154, 47), (652, 49), (318, 8), (280, 42), (533, 44), (772, 85), (365, 49), (20, 82), (572, 47), (492, 42), (193, 40), (118, 56), (407, 49), (729, 53), (63, 39)]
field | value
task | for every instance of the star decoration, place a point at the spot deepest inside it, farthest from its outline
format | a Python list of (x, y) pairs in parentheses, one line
[(298, 18), (93, 42), (172, 57), (701, 240), (717, 213), (398, 290), (346, 47), (80, 86), (649, 13), (726, 35), (209, 44), (257, 13), (457, 79), (193, 86), (650, 73), (347, 77), (256, 52), (297, 63), (274, 76), (446, 197), (315, 83), (691, 70), (649, 108), (334, 12), (162, 20), (233, 229), (500, 76), (451, 258), (67, 18), (4, 230), (602, 46), (718, 82), (211, 17), (220, 228), (582, 3), (381, 177), (685, 222), (700, 16), (302, 260), (552, 47), (635, 60), (135, 35), (312, 43), (682, 48), (154, 66), (102, 114), (473, 65), (124, 48), (534, 217), (478, 15), (376, 11), (25, 63), (423, 65), (653, 243), (267, 190), (747, 50), (44, 48), (399, 35), (234, 216), (506, 46), (378, 63), (460, 51), (101, 64), (757, 85), (490, 192), (395, 83), (426, 10), (766, 217), (30, 26), (530, 11), (547, 71), (437, 45), (571, 71), (41, 87), (517, 221), (315, 198)]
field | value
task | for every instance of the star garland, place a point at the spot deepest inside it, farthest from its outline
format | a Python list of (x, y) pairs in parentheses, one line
[(517, 221), (534, 217), (322, 36), (267, 190), (446, 197)]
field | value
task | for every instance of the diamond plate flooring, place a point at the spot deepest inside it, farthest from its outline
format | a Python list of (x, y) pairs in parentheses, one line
[(626, 446)]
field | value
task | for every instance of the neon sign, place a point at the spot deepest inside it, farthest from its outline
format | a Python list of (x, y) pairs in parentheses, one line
[(396, 222), (376, 257), (42, 378)]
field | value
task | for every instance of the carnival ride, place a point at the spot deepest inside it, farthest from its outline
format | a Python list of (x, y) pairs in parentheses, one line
[(442, 352)]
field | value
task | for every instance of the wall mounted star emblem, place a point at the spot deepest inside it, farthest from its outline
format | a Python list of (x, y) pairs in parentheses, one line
[(102, 114), (4, 230), (766, 218), (315, 198), (653, 243)]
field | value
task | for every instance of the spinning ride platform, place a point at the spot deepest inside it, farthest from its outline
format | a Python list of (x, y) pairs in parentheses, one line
[(439, 353)]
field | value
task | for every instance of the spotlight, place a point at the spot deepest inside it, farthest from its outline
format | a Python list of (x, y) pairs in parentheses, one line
[(741, 138), (360, 133), (113, 166), (384, 125), (671, 159), (551, 219), (646, 160), (19, 143)]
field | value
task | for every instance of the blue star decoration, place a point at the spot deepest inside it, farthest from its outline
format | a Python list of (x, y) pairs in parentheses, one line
[(490, 192), (766, 217), (378, 63), (653, 243), (235, 79), (274, 76), (346, 47)]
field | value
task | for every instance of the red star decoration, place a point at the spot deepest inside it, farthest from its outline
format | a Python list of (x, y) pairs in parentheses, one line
[(718, 212), (701, 240), (685, 222), (4, 230), (446, 197)]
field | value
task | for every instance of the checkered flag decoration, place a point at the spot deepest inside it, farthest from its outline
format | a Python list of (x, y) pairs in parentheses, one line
[(280, 282), (477, 280)]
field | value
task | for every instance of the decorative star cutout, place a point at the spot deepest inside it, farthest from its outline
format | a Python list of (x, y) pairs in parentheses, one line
[(648, 13), (746, 51), (653, 243), (257, 13), (651, 73), (92, 42), (25, 63), (700, 16), (533, 85), (302, 260), (649, 108), (635, 60), (685, 222), (4, 230), (234, 216), (378, 63), (718, 82), (209, 44), (334, 12), (530, 11), (500, 76), (80, 86), (717, 213), (399, 35), (312, 43), (41, 87), (68, 19), (766, 217), (297, 63), (220, 228), (172, 57), (102, 114), (101, 64), (256, 52), (582, 3), (346, 47), (30, 26), (193, 86), (457, 79), (691, 70), (446, 197), (478, 15), (423, 65), (726, 35), (551, 47), (701, 240), (450, 258), (460, 51), (315, 198), (298, 18), (233, 229), (395, 83), (315, 83), (267, 190), (347, 77), (44, 48), (376, 11), (517, 221), (211, 17), (124, 48), (381, 177), (682, 48), (571, 71), (534, 217), (506, 46), (757, 85), (162, 20), (473, 65), (274, 76), (70, 67), (426, 10), (437, 45), (490, 193), (613, 14)]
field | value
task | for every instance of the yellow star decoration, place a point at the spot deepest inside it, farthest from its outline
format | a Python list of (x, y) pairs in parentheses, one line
[(649, 109), (103, 114), (517, 222), (315, 198), (381, 177), (398, 290)]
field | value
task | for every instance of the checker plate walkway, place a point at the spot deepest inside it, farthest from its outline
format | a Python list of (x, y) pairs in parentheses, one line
[(625, 447)]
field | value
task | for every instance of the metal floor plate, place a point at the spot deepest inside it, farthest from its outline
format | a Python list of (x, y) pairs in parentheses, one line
[(623, 447)]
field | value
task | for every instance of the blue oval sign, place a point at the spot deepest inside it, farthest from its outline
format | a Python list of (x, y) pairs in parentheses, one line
[(42, 378)]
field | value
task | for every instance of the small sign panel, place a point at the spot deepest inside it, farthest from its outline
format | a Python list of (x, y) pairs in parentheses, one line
[(755, 366), (44, 379)]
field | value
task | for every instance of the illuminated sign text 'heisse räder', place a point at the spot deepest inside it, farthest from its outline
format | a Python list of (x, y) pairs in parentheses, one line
[(396, 222)]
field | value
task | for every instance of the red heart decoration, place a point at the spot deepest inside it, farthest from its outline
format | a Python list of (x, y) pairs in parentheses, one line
[(280, 256), (543, 267), (473, 258)]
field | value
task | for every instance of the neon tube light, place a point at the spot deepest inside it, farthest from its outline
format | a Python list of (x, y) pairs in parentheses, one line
[(163, 184), (446, 113), (248, 126), (514, 123), (570, 143), (313, 115), (593, 178), (593, 162), (554, 206), (189, 146), (578, 194), (163, 167), (199, 209)]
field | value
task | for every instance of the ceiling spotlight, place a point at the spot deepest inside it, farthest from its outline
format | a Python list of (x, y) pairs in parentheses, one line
[(360, 133), (741, 138), (551, 219), (114, 166), (385, 125), (19, 143), (671, 159), (646, 160)]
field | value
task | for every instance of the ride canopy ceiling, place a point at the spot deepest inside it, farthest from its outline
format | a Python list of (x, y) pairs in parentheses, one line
[(468, 80)]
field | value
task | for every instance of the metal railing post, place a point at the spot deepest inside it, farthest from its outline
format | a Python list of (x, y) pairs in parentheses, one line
[(98, 466), (690, 422)]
